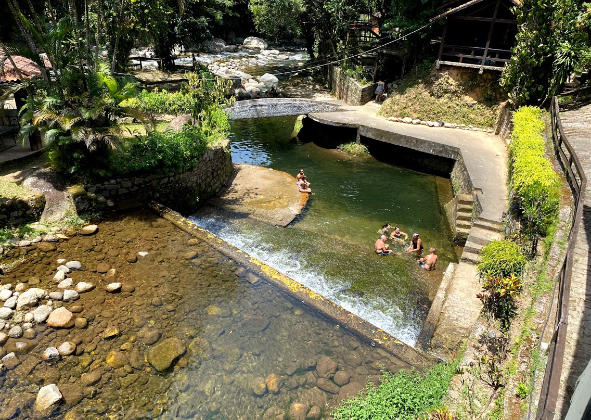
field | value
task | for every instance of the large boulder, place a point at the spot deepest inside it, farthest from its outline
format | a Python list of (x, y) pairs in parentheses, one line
[(215, 45), (254, 42), (178, 122), (162, 356), (269, 80)]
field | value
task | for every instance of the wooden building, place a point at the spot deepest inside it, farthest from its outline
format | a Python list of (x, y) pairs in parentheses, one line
[(477, 34)]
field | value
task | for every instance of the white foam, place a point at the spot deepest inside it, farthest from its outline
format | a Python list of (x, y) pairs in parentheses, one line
[(379, 312)]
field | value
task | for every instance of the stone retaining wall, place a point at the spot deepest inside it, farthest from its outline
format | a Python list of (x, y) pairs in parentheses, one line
[(504, 124), (14, 211), (347, 89), (183, 191), (276, 107)]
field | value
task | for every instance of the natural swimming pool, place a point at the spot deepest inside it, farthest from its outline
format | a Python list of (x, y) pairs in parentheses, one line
[(329, 248)]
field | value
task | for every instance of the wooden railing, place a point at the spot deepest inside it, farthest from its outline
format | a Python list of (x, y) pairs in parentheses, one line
[(578, 181)]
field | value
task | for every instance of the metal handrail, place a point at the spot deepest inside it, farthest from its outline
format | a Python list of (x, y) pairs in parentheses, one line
[(578, 181)]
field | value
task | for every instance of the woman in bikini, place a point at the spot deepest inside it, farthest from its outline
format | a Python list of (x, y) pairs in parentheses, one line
[(397, 235), (416, 245), (304, 186)]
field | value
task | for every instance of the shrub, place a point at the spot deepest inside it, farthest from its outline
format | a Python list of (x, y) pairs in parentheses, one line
[(535, 184), (161, 102), (402, 396), (355, 149), (439, 414), (501, 259)]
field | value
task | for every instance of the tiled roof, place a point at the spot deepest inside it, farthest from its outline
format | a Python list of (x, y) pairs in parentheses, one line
[(463, 6), (28, 69)]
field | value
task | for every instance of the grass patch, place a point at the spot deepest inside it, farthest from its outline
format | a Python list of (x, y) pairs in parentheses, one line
[(11, 189), (354, 149), (402, 396)]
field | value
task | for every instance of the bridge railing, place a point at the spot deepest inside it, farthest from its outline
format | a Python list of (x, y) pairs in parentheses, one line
[(573, 171)]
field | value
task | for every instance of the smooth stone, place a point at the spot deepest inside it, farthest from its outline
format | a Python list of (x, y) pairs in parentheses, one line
[(61, 261), (21, 346), (20, 287), (91, 378), (70, 295), (64, 268), (41, 313), (59, 276), (328, 386), (111, 275), (66, 348), (113, 287), (5, 313), (56, 295), (342, 378), (3, 338), (274, 383), (298, 411), (46, 246), (5, 294), (80, 323), (142, 253), (64, 284), (15, 332), (29, 334), (59, 318), (156, 301), (162, 356), (314, 413), (83, 287), (10, 361), (152, 337), (128, 288), (47, 396), (103, 267), (117, 359), (191, 255), (258, 386), (76, 309), (74, 265), (326, 367), (131, 258), (89, 229), (11, 302), (50, 353), (110, 332)]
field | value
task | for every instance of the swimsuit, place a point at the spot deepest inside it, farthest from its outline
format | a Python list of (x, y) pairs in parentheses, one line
[(383, 254), (422, 264)]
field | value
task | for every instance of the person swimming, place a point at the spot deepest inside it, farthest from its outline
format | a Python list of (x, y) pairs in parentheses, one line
[(384, 229), (398, 234), (428, 263)]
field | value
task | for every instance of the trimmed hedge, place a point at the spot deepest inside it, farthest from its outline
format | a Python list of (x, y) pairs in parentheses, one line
[(501, 259), (535, 184)]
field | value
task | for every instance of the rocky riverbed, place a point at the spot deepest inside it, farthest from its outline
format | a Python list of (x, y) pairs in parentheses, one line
[(135, 319)]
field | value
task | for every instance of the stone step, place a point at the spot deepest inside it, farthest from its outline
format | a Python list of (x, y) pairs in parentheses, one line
[(462, 231), (481, 240), (463, 224), (470, 257), (465, 208), (464, 199), (472, 246), (466, 217), (489, 225)]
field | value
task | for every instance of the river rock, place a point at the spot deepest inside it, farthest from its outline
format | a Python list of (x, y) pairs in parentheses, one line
[(80, 323), (91, 378), (131, 258), (117, 359), (11, 302), (70, 295), (151, 337), (326, 367), (258, 386), (350, 390), (46, 246), (5, 294), (3, 338), (50, 354), (47, 396), (328, 386), (103, 267), (341, 378), (128, 288), (10, 361), (111, 275), (255, 42), (74, 265), (64, 284), (110, 332), (274, 383), (162, 356), (89, 229), (20, 287), (56, 295), (255, 324), (113, 287), (59, 318), (41, 313), (142, 253), (26, 300), (83, 287), (15, 332), (64, 268), (274, 413), (298, 411), (59, 276), (66, 348), (5, 313)]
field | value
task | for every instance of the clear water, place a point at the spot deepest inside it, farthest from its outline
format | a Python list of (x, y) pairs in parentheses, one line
[(329, 248)]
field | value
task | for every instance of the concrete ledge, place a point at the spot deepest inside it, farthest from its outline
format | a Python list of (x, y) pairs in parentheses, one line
[(340, 316), (277, 107)]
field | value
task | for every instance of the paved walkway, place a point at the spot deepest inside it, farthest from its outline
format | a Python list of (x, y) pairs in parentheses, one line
[(485, 157), (577, 355)]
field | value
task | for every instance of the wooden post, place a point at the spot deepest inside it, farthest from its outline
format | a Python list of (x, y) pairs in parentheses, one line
[(490, 31), (442, 41)]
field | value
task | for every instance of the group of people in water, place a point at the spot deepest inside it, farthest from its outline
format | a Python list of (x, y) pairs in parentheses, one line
[(416, 246), (303, 184)]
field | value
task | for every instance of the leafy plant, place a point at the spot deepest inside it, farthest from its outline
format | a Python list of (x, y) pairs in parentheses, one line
[(490, 370), (354, 149), (501, 259), (439, 414), (402, 396), (499, 295), (523, 390)]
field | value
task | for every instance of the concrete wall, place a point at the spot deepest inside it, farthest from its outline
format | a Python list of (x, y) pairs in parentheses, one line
[(276, 107), (347, 89), (183, 191), (504, 124), (14, 212)]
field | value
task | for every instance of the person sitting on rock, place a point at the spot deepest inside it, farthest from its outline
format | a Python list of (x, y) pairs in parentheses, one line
[(304, 186), (428, 263), (416, 245), (299, 176), (381, 247)]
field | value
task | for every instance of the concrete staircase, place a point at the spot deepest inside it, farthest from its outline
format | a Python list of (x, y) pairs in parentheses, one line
[(464, 214), (482, 233)]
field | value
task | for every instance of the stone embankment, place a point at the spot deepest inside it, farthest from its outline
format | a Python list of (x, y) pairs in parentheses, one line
[(276, 107)]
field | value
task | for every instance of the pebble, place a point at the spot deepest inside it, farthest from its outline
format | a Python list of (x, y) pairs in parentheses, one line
[(10, 361), (61, 261), (41, 313), (50, 353), (15, 332), (6, 286), (27, 299), (3, 338), (59, 276), (60, 317), (47, 396), (89, 229), (70, 295), (110, 332), (5, 313), (28, 318), (80, 323), (56, 295), (128, 288), (64, 284), (50, 237), (21, 346), (67, 348), (103, 267), (83, 287), (142, 253), (11, 302), (29, 334), (5, 294), (63, 268), (76, 309), (74, 265), (20, 287), (111, 275), (113, 287), (91, 378)]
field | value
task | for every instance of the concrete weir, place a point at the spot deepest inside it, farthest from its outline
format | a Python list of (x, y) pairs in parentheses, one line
[(340, 316), (277, 107), (479, 173)]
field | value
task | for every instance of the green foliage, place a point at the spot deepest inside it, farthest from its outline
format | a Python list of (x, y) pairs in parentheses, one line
[(161, 102), (439, 414), (354, 149), (277, 18), (501, 259), (523, 390), (356, 72), (160, 152), (404, 395), (534, 182)]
